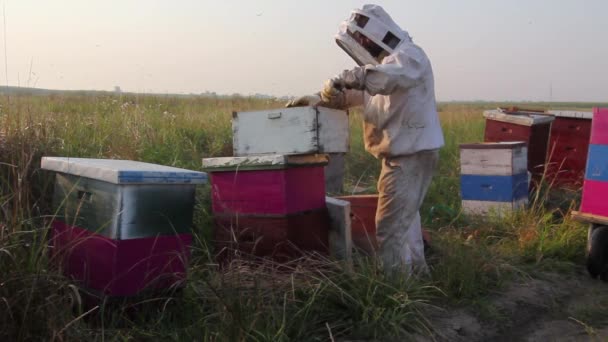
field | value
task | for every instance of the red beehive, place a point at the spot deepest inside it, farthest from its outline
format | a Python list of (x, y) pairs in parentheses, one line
[(530, 127), (568, 147), (278, 237), (363, 222), (269, 205)]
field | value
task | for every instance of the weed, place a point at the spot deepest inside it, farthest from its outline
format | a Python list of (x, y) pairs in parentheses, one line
[(313, 299)]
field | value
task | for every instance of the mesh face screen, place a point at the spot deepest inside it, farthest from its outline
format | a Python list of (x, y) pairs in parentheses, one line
[(391, 40), (361, 20), (374, 49)]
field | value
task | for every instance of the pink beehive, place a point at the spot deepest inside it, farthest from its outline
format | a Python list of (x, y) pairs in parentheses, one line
[(122, 226), (596, 172), (268, 185), (120, 267), (278, 192), (599, 127)]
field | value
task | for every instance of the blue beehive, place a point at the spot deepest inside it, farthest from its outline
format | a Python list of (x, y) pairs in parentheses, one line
[(494, 177)]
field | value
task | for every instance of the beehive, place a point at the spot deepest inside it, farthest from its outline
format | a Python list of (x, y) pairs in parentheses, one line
[(122, 226), (494, 177), (298, 130), (532, 128), (596, 174), (269, 205), (280, 237), (267, 184), (363, 221), (569, 147)]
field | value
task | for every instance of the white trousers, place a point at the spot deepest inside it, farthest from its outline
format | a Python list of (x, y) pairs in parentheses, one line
[(402, 186)]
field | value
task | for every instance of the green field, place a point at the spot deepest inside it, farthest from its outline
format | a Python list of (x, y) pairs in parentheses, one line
[(317, 299)]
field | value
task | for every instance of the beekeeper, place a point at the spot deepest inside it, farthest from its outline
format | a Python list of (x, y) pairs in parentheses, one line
[(394, 83)]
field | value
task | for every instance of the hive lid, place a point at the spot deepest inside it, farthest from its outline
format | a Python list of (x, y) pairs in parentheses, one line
[(123, 171), (571, 114), (521, 118), (494, 145), (263, 162)]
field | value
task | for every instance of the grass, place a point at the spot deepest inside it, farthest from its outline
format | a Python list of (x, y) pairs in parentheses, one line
[(315, 299)]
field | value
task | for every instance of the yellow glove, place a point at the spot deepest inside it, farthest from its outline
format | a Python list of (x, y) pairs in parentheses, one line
[(303, 101), (331, 89)]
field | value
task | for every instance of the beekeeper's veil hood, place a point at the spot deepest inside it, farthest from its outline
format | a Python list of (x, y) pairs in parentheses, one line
[(369, 35)]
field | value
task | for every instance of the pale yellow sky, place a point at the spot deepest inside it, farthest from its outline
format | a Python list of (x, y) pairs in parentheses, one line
[(480, 49)]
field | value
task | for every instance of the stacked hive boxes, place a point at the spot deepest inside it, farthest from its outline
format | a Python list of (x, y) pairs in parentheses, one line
[(533, 128), (596, 175), (122, 226), (271, 205), (269, 200), (493, 177), (569, 146)]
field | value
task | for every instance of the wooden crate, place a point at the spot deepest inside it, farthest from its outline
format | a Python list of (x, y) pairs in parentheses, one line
[(298, 130), (532, 128), (568, 147), (279, 237), (267, 185), (494, 177), (363, 222)]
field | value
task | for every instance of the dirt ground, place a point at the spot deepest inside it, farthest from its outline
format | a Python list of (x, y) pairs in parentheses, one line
[(550, 307)]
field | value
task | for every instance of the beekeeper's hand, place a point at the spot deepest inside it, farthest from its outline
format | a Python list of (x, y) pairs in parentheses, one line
[(303, 101), (332, 88)]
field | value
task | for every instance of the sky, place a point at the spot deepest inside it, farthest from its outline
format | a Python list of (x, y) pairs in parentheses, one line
[(537, 50)]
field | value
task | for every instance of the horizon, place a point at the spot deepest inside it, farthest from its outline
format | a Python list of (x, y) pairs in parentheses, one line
[(284, 97), (490, 51)]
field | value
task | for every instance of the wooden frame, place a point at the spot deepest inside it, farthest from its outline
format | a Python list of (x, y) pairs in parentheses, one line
[(589, 218)]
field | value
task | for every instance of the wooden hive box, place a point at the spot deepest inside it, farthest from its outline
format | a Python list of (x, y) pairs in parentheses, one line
[(269, 205), (122, 226), (363, 221), (274, 184), (569, 147), (280, 237), (532, 128), (298, 130), (596, 174), (494, 177)]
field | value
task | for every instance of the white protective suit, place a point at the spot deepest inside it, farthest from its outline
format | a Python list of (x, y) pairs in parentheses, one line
[(394, 82)]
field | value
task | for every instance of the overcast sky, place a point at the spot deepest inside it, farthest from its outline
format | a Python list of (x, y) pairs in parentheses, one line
[(480, 49)]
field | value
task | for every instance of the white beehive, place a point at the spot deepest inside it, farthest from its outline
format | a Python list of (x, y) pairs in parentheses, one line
[(298, 130)]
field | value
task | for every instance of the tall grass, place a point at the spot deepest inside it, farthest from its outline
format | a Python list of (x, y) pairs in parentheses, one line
[(315, 299)]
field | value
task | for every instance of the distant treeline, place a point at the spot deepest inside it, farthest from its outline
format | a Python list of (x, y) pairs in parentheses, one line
[(10, 90)]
